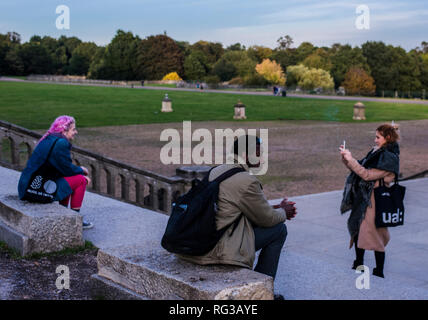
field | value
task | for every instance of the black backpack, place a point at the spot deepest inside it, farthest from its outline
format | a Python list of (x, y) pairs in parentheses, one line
[(191, 228)]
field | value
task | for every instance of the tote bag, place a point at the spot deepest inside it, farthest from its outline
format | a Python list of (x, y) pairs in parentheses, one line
[(42, 187), (389, 205)]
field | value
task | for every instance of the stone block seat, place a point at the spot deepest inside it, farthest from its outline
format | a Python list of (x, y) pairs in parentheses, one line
[(149, 272), (38, 228)]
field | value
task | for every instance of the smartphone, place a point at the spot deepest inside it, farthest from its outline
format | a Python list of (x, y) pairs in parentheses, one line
[(343, 146)]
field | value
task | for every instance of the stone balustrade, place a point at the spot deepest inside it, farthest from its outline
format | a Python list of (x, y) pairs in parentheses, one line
[(109, 177), (80, 80)]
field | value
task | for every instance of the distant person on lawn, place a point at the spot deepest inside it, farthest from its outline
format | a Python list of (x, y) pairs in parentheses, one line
[(72, 180)]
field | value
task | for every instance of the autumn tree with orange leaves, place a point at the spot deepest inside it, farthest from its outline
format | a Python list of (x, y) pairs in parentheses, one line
[(358, 82), (271, 71)]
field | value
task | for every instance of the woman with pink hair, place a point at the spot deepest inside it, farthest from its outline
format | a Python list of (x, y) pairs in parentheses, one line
[(53, 152)]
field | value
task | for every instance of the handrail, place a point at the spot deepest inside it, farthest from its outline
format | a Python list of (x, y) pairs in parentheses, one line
[(162, 190), (421, 174)]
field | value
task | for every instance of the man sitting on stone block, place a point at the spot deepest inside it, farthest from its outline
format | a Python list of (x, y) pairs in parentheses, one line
[(259, 225)]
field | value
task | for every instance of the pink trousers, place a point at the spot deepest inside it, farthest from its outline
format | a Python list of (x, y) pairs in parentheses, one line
[(78, 185)]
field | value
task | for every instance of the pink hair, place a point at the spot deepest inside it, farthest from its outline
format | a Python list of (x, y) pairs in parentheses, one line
[(61, 124)]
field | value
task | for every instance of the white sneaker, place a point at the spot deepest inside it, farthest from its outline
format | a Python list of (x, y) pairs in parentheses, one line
[(87, 225)]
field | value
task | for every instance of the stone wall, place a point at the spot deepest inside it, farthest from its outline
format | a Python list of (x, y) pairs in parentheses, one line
[(80, 79), (109, 177)]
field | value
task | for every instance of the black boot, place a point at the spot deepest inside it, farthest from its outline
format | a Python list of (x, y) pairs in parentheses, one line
[(359, 253), (378, 273), (380, 261), (356, 264)]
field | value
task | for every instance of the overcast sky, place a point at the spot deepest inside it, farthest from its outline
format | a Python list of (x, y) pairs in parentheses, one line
[(250, 22)]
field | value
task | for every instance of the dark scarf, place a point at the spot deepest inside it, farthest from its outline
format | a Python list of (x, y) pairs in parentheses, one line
[(357, 192)]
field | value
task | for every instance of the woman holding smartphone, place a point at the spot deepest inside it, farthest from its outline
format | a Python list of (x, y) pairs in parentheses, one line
[(382, 162)]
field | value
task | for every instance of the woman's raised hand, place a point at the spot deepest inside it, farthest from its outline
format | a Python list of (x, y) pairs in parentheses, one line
[(346, 154)]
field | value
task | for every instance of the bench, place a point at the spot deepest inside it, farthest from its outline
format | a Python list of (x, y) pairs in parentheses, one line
[(38, 228), (150, 272)]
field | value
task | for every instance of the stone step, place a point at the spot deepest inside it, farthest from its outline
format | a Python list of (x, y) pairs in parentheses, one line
[(153, 273), (38, 228), (105, 289)]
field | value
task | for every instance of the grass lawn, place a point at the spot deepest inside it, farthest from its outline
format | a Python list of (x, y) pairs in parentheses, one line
[(35, 106)]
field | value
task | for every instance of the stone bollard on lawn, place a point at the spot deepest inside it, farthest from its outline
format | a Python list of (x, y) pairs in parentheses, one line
[(239, 111), (166, 104), (359, 111)]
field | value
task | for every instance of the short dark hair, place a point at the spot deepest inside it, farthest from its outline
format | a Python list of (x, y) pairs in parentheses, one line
[(246, 137)]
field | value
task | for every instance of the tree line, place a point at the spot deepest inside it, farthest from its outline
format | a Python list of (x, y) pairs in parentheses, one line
[(372, 68)]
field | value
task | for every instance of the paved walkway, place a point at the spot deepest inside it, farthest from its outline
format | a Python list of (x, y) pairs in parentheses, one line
[(241, 92), (316, 261)]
